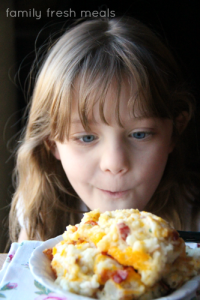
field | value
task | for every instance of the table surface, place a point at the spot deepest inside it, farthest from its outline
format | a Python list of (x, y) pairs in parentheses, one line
[(2, 259)]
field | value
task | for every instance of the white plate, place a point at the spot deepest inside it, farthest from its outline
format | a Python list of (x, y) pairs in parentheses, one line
[(41, 270)]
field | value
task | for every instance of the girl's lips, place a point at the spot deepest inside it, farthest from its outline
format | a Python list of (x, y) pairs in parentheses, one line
[(117, 194)]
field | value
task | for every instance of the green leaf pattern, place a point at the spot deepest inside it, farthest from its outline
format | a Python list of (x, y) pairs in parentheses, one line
[(42, 289), (6, 287)]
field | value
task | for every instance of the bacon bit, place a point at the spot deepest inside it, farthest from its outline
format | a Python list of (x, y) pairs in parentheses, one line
[(77, 260), (54, 272), (80, 241), (106, 275), (175, 235), (72, 243), (105, 253), (124, 230), (91, 222), (49, 253), (120, 276), (73, 229), (117, 276)]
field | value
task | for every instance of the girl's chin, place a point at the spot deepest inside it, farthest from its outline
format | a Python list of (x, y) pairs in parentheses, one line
[(110, 204)]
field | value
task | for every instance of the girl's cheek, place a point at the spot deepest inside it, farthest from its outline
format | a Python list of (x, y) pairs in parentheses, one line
[(77, 162)]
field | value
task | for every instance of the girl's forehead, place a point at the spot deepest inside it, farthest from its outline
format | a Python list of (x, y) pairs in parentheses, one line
[(115, 104)]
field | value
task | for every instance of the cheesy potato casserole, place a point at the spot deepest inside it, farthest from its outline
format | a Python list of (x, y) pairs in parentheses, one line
[(122, 254)]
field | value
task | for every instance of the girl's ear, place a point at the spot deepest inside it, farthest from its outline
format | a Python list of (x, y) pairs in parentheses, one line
[(52, 147), (182, 121), (56, 152)]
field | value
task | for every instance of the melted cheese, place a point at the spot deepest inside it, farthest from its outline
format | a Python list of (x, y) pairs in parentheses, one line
[(120, 254), (137, 259)]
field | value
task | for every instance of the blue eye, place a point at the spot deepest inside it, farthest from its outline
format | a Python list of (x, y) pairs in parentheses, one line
[(88, 138), (139, 135)]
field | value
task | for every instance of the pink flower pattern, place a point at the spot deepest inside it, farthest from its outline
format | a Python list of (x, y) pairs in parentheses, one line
[(10, 256), (51, 296), (6, 287), (46, 294), (11, 286)]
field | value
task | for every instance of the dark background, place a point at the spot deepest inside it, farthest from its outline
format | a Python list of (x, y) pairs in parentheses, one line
[(177, 22)]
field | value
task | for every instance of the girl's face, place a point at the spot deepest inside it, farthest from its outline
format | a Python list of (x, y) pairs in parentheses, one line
[(111, 167)]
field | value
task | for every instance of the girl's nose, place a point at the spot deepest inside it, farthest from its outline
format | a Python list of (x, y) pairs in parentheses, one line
[(115, 160)]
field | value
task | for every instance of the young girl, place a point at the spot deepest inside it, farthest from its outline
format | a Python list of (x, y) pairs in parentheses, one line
[(107, 126)]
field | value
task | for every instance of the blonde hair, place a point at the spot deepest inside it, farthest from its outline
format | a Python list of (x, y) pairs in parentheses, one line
[(96, 52)]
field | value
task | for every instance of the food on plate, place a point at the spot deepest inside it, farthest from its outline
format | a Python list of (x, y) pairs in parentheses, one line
[(123, 254)]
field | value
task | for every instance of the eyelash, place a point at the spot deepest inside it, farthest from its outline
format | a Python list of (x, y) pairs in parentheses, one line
[(142, 132), (80, 139), (84, 136)]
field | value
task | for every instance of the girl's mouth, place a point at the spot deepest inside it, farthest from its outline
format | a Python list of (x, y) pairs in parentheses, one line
[(117, 194)]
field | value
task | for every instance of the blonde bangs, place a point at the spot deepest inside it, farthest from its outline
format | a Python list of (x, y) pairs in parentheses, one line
[(88, 60), (89, 85)]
